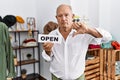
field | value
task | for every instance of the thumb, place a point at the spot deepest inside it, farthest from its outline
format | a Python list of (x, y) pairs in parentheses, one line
[(75, 33)]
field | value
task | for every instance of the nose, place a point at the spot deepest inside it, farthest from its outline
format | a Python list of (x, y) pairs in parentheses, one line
[(63, 17)]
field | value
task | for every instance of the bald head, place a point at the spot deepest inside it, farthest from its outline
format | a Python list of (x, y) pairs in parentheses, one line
[(63, 6)]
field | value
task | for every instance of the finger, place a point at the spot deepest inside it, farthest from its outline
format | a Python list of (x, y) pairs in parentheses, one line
[(47, 48), (76, 26), (75, 34), (73, 25), (79, 24), (84, 26), (48, 44), (44, 44)]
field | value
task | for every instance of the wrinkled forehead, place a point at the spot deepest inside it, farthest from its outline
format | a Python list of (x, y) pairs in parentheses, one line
[(63, 8)]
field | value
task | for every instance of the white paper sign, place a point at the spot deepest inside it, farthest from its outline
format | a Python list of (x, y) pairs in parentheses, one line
[(49, 38)]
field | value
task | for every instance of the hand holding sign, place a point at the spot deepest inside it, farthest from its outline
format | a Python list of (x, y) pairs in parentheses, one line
[(48, 47), (48, 41)]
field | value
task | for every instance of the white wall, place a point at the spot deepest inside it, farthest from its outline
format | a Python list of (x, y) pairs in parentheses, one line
[(105, 14), (93, 12), (18, 7), (109, 17), (87, 8), (115, 19), (80, 7)]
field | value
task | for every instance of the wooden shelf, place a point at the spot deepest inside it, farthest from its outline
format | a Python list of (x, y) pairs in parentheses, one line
[(93, 61), (24, 47), (102, 67), (19, 49), (24, 31), (27, 62), (92, 66), (117, 77), (33, 76), (94, 49)]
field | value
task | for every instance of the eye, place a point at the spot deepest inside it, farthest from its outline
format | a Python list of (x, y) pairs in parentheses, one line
[(59, 16), (66, 15)]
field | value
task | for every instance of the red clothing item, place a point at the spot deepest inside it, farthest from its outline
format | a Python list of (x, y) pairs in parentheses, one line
[(115, 45), (92, 46)]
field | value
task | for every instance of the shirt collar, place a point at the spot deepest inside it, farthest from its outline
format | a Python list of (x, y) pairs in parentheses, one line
[(58, 32)]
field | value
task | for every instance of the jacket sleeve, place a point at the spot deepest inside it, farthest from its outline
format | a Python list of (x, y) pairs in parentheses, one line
[(9, 54)]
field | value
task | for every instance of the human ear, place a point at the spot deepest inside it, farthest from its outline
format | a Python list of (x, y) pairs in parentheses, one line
[(56, 17)]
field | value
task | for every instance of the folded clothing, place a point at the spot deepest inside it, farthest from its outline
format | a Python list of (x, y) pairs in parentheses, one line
[(92, 46), (115, 45), (29, 42)]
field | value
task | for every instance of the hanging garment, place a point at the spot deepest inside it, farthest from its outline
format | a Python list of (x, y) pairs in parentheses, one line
[(6, 54)]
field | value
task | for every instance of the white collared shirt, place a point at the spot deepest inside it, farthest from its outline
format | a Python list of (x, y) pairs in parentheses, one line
[(67, 60)]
